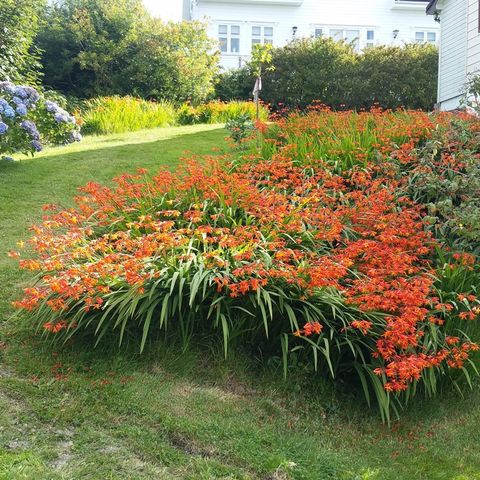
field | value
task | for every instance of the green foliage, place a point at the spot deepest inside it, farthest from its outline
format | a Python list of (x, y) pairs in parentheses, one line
[(261, 60), (234, 84), (125, 114), (447, 181), (18, 26), (81, 41), (308, 70), (219, 112), (471, 93), (396, 77), (173, 62), (333, 73), (109, 47), (240, 128)]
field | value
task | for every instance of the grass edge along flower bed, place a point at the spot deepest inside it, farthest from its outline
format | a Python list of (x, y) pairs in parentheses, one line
[(295, 254)]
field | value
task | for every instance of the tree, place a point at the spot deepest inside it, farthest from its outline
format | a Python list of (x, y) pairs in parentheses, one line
[(19, 21), (105, 47), (261, 61), (174, 61), (83, 40)]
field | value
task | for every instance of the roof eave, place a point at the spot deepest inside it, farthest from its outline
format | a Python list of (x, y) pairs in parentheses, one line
[(432, 7)]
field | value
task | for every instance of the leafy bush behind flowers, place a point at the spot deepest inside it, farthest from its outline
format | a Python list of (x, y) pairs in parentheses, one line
[(309, 244), (28, 121)]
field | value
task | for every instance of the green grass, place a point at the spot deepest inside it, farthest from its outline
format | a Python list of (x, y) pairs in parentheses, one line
[(118, 415)]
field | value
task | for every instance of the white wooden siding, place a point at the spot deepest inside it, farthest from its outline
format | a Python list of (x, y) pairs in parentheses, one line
[(473, 38), (453, 52)]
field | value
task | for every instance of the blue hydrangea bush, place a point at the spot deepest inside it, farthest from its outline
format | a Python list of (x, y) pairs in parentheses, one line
[(28, 121)]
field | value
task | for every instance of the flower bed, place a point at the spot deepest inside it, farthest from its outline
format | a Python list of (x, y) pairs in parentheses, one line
[(309, 246)]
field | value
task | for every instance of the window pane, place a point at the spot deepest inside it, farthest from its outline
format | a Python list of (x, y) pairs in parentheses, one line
[(420, 36), (370, 34), (235, 29), (256, 31), (336, 34), (222, 29), (235, 45), (370, 45), (431, 36), (268, 31), (351, 35), (268, 40), (223, 44), (318, 32), (255, 41)]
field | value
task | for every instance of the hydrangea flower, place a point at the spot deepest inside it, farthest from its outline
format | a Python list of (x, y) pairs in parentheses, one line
[(9, 112), (75, 136), (32, 121), (36, 145), (31, 129), (22, 110)]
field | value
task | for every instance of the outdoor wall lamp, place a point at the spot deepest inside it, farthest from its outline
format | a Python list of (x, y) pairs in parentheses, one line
[(294, 31), (395, 33)]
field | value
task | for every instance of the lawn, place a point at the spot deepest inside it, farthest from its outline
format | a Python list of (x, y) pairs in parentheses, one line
[(107, 414)]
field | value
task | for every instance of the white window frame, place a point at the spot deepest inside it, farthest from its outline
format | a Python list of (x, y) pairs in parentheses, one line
[(425, 33), (262, 37), (228, 36), (370, 42), (361, 42)]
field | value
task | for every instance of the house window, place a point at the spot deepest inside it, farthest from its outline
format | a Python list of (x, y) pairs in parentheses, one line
[(318, 32), (350, 36), (428, 37), (229, 38), (262, 35), (370, 38)]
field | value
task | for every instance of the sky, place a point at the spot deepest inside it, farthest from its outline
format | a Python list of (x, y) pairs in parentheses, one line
[(165, 9)]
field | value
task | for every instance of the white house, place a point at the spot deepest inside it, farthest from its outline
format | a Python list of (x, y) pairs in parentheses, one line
[(239, 24), (459, 47)]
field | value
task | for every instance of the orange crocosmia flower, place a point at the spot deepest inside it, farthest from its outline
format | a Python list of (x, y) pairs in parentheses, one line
[(363, 325), (311, 328), (55, 327)]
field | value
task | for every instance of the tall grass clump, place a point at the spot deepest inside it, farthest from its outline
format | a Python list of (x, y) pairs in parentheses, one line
[(125, 114), (312, 247)]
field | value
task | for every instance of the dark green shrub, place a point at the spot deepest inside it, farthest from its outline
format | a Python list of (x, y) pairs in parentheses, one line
[(235, 85), (240, 128), (397, 76), (308, 70), (322, 70)]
